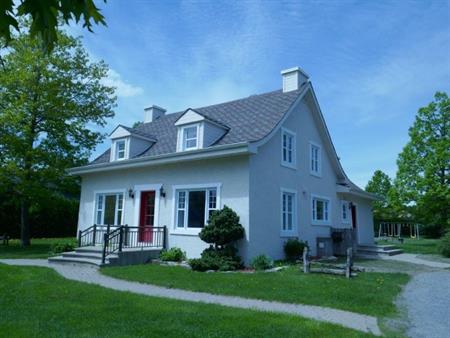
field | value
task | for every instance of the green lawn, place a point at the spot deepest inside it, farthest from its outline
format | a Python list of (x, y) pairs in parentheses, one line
[(419, 246), (39, 248), (368, 293), (37, 302)]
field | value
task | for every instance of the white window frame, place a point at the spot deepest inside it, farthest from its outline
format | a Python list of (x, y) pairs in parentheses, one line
[(96, 207), (184, 139), (288, 133), (293, 231), (346, 205), (185, 230), (313, 146), (327, 211), (114, 149)]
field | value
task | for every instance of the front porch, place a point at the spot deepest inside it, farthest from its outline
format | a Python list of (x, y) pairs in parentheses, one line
[(101, 245)]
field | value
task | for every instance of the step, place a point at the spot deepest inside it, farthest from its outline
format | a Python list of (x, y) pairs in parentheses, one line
[(390, 252), (377, 247), (89, 249), (74, 260), (90, 255)]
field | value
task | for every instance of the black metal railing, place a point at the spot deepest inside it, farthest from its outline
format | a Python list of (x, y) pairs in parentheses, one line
[(94, 235), (116, 238)]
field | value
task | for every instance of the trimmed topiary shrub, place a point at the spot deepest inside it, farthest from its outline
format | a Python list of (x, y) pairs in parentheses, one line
[(63, 245), (222, 231), (444, 246), (172, 255), (262, 262), (293, 249)]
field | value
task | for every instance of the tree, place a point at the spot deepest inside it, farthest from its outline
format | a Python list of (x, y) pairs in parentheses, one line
[(423, 177), (380, 184), (44, 17), (49, 104)]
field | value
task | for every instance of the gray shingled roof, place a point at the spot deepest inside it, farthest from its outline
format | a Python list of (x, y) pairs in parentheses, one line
[(249, 120)]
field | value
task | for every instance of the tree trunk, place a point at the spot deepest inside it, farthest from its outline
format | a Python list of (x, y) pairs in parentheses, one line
[(24, 223)]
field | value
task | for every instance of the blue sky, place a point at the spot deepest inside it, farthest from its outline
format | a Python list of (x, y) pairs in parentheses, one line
[(372, 63)]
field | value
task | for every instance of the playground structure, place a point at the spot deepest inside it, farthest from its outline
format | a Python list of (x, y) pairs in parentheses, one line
[(398, 230)]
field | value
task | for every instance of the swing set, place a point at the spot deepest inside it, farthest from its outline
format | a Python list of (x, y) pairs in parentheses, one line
[(398, 230)]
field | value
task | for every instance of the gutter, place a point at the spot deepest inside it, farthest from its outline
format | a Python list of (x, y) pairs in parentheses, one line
[(192, 155)]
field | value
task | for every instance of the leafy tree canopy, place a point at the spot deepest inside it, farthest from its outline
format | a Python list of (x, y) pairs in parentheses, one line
[(423, 177), (50, 106), (44, 16)]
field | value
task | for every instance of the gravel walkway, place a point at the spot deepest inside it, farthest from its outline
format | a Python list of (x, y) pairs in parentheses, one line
[(427, 299), (412, 258), (92, 275)]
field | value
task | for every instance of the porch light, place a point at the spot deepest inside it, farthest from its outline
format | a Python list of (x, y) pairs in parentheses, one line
[(130, 193), (162, 192)]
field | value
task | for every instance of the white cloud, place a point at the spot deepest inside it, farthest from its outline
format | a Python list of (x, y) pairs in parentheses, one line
[(123, 89)]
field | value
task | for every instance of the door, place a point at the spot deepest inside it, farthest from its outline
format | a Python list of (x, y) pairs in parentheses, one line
[(147, 216), (354, 223)]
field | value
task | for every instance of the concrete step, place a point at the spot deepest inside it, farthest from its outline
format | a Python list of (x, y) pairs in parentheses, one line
[(76, 260), (90, 249), (377, 247), (89, 255), (375, 250)]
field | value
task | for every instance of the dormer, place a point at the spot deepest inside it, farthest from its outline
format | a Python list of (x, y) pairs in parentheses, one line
[(127, 143), (196, 131)]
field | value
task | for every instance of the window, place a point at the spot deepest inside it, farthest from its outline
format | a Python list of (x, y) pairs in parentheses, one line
[(288, 211), (345, 208), (288, 149), (320, 210), (194, 206), (190, 138), (315, 166), (119, 149), (109, 208)]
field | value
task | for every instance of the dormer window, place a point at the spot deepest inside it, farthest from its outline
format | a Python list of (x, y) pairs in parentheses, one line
[(190, 138), (120, 149)]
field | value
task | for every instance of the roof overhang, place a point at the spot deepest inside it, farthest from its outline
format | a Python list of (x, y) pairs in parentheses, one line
[(355, 191), (192, 155)]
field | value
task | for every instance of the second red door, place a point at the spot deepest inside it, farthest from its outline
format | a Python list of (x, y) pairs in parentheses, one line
[(147, 216)]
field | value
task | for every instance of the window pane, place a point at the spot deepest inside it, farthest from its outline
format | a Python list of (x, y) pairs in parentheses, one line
[(212, 203), (99, 217), (196, 214), (120, 202), (181, 199), (180, 223), (191, 143), (319, 209), (191, 132), (110, 207)]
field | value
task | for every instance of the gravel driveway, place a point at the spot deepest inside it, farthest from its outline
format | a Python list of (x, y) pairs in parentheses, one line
[(427, 299)]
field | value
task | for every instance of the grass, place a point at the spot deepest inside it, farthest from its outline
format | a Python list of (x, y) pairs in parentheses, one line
[(39, 248), (418, 246), (37, 302), (368, 293)]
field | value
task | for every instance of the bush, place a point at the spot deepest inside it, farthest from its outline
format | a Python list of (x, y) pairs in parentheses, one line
[(63, 246), (172, 255), (293, 249), (444, 246), (211, 259), (262, 262)]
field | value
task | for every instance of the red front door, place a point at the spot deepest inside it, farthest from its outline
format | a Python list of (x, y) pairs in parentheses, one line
[(353, 209), (147, 216)]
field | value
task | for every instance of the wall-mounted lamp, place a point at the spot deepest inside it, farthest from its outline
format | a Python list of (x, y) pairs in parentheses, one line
[(162, 193), (130, 193)]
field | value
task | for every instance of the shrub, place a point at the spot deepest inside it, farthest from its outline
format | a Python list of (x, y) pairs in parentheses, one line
[(211, 259), (293, 249), (444, 246), (63, 245), (262, 262), (172, 255), (223, 228)]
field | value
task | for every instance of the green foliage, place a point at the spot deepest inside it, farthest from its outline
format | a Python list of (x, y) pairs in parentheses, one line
[(49, 104), (44, 16), (224, 259), (63, 245), (444, 246), (223, 228), (262, 262), (380, 184), (423, 177), (173, 255), (293, 249)]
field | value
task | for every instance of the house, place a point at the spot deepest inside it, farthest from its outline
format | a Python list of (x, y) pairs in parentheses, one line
[(269, 157)]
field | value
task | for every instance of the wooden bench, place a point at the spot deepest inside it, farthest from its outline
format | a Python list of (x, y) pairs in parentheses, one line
[(5, 239)]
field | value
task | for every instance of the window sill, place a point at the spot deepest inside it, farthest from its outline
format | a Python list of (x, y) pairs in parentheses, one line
[(319, 175), (321, 223), (289, 165), (288, 233), (186, 232)]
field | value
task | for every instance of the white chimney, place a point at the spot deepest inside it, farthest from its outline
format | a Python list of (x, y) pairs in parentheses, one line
[(153, 113), (293, 78)]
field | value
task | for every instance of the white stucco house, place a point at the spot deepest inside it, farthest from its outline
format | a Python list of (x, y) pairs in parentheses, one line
[(269, 157)]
